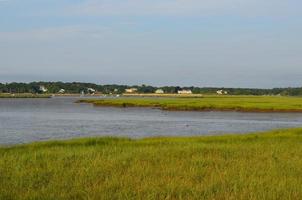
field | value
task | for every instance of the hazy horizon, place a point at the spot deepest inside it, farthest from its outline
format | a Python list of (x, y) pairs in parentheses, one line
[(226, 43)]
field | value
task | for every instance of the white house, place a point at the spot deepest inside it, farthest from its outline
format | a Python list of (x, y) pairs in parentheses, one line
[(184, 92), (159, 91), (43, 88), (91, 90), (61, 91), (131, 90), (221, 92)]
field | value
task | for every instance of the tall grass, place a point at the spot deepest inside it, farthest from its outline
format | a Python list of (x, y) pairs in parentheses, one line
[(255, 166), (220, 103)]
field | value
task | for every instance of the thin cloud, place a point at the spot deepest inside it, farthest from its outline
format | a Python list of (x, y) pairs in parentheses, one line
[(55, 33), (186, 7)]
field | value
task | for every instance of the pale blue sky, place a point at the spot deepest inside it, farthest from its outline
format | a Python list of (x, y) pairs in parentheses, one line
[(231, 43)]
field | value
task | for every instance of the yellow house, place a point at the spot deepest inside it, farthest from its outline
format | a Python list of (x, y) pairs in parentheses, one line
[(131, 90)]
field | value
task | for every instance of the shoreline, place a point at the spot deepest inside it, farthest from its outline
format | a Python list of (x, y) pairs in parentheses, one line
[(130, 139), (30, 95), (207, 109), (23, 95)]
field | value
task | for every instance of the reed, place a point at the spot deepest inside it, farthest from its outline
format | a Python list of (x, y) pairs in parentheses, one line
[(254, 166)]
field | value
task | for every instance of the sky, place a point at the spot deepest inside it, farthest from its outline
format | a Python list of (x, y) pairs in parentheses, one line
[(205, 43)]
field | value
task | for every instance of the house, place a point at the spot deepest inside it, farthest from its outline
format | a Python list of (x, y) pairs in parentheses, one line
[(91, 90), (131, 90), (43, 88), (221, 92), (159, 91), (61, 91), (184, 92)]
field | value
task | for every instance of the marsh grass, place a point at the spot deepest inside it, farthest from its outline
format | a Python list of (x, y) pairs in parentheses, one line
[(254, 166), (209, 103)]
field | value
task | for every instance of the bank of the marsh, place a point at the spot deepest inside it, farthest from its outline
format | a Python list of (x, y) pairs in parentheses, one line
[(208, 103), (24, 95), (255, 166)]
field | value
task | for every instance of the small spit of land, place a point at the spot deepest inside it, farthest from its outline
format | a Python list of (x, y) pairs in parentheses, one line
[(164, 95), (255, 166), (208, 103), (24, 95)]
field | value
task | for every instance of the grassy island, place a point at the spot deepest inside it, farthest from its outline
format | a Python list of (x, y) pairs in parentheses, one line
[(254, 166), (208, 103)]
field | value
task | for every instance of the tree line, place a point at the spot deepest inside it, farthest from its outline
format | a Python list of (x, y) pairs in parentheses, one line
[(78, 87)]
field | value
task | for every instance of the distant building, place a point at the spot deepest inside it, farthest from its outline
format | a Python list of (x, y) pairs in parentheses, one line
[(91, 90), (184, 92), (159, 91), (43, 88), (221, 92), (61, 91), (131, 90)]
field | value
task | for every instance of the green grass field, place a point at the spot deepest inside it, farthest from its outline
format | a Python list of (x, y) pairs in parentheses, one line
[(254, 166), (218, 103)]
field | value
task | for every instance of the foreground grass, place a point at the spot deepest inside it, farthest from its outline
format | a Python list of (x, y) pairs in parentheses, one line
[(24, 95), (254, 166), (214, 103)]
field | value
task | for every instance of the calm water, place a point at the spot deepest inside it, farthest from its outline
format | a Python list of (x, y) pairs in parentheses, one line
[(26, 120)]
